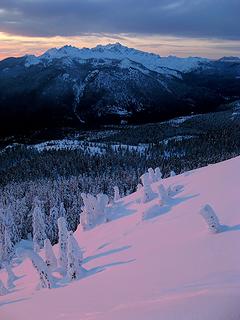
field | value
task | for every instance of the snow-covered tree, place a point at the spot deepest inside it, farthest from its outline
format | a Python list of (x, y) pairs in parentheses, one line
[(139, 187), (78, 250), (94, 210), (211, 218), (62, 242), (172, 173), (8, 247), (151, 175), (38, 224), (50, 258), (62, 210), (158, 174), (145, 179), (74, 268), (116, 193), (3, 289), (100, 207), (147, 192), (45, 277), (87, 214), (52, 223), (163, 195)]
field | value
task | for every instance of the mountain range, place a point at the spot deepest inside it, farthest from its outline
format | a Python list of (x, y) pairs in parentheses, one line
[(71, 87)]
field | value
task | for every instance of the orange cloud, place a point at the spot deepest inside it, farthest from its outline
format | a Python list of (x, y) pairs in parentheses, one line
[(12, 45)]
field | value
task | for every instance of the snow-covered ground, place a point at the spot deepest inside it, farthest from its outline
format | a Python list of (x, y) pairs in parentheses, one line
[(166, 266)]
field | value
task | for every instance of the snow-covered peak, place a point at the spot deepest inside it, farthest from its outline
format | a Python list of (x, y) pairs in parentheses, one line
[(117, 51), (230, 59), (31, 60)]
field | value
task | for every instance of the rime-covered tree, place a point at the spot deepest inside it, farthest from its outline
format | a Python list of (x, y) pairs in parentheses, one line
[(151, 175), (147, 192), (62, 242), (100, 207), (172, 173), (53, 218), (74, 268), (158, 174), (50, 258), (62, 210), (8, 247), (116, 193), (38, 225), (211, 218), (94, 210), (163, 195), (45, 278)]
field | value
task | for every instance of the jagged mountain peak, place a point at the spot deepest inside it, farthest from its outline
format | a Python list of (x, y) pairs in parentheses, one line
[(117, 51)]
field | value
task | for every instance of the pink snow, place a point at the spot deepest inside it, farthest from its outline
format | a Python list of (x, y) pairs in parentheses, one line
[(168, 266)]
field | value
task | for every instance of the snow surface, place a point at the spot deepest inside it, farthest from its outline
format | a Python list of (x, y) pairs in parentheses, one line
[(119, 52), (166, 266)]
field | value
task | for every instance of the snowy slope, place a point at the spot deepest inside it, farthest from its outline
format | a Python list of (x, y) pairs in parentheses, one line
[(167, 266), (119, 52)]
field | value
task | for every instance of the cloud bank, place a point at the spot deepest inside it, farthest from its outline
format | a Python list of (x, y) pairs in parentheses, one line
[(217, 19)]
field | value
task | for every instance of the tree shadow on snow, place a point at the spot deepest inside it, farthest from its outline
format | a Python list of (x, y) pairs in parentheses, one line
[(225, 228), (119, 210), (158, 210), (13, 301), (98, 269), (105, 253)]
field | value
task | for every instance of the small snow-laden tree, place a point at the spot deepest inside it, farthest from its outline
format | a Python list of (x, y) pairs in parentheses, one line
[(139, 187), (211, 218), (10, 225), (78, 250), (74, 268), (100, 208), (87, 214), (163, 195), (38, 224), (94, 210), (50, 258), (8, 247), (45, 277), (116, 193), (145, 179), (52, 222), (158, 174), (3, 289), (172, 173), (62, 211), (151, 175), (62, 242), (147, 192)]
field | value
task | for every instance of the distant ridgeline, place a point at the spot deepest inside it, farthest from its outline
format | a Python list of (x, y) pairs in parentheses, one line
[(81, 88)]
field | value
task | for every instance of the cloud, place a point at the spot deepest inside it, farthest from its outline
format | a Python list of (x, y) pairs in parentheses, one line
[(181, 18)]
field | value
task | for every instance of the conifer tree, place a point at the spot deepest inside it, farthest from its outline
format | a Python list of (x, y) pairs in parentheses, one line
[(62, 242), (38, 224), (50, 258)]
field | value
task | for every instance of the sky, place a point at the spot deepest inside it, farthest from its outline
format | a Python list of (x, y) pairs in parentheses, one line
[(209, 28)]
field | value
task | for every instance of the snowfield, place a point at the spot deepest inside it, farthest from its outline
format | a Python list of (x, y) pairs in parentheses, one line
[(150, 262)]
